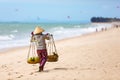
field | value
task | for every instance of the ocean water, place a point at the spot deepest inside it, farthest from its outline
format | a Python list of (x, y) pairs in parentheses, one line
[(18, 34)]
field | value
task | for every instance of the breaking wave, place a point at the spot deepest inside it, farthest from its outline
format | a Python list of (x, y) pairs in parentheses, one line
[(12, 36), (6, 37)]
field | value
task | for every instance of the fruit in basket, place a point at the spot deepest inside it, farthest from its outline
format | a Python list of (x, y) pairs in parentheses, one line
[(53, 57), (33, 60)]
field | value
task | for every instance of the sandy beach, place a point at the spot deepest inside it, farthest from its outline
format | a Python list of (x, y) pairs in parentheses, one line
[(95, 56)]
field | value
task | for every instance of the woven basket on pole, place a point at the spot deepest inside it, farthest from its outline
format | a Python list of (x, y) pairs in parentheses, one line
[(52, 52), (32, 57)]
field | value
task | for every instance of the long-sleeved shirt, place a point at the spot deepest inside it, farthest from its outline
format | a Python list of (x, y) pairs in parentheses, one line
[(40, 41)]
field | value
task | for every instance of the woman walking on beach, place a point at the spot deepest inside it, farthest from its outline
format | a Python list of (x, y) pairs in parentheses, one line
[(39, 37)]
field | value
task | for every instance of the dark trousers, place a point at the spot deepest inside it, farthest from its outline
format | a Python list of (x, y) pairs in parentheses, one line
[(43, 57)]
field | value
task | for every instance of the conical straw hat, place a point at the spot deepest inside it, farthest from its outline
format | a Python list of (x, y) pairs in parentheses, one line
[(38, 30)]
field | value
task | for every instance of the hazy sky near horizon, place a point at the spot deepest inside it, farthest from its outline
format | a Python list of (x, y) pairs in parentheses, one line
[(57, 10)]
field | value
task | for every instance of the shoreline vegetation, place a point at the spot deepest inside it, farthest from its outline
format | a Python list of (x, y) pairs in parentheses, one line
[(104, 20), (93, 56)]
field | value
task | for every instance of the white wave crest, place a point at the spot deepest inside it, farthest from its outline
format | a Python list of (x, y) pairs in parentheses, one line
[(14, 31), (77, 26), (70, 32), (58, 28), (6, 37)]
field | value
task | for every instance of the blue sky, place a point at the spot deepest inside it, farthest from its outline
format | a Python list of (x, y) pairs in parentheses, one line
[(57, 10)]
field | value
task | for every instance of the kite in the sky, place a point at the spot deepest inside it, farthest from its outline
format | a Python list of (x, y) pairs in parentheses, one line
[(118, 6), (68, 17), (16, 10)]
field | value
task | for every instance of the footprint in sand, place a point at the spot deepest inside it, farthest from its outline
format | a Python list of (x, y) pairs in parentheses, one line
[(9, 73), (19, 76), (16, 72), (9, 79), (4, 66), (31, 73), (35, 74), (18, 61)]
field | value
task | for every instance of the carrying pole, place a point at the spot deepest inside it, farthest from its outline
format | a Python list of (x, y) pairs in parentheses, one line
[(54, 43), (29, 51)]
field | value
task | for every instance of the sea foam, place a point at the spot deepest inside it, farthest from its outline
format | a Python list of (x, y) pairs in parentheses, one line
[(19, 34)]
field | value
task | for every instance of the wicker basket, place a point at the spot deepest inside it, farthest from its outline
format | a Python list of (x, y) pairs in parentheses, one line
[(53, 57), (33, 60)]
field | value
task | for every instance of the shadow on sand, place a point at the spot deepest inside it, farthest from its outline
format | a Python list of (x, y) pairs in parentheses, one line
[(60, 69)]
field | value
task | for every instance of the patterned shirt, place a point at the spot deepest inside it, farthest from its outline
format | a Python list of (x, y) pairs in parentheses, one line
[(40, 41)]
